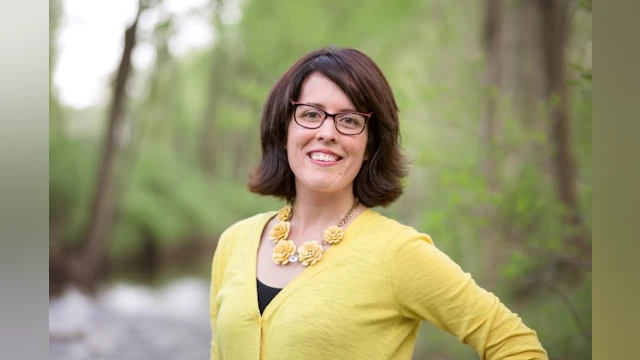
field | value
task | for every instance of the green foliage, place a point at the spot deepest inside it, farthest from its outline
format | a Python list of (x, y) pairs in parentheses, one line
[(72, 165), (173, 202), (548, 313), (586, 5), (532, 211)]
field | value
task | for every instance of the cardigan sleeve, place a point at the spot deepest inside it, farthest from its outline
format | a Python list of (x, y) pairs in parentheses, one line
[(429, 286)]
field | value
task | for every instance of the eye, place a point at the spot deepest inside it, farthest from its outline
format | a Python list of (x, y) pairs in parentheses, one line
[(351, 120), (309, 113), (312, 114)]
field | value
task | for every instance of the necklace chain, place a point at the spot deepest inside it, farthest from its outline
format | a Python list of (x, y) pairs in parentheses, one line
[(343, 220), (349, 214)]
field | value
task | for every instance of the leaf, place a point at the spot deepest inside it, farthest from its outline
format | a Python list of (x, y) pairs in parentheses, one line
[(586, 5), (573, 83), (577, 66)]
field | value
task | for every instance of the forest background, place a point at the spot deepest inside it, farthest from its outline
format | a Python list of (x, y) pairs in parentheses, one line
[(495, 101)]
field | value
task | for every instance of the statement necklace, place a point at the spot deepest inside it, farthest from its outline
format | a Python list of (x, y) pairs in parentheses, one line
[(310, 252)]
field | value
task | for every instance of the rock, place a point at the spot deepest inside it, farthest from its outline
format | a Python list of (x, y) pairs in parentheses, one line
[(132, 322)]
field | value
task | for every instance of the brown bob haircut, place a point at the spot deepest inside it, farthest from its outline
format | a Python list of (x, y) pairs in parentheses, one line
[(379, 181)]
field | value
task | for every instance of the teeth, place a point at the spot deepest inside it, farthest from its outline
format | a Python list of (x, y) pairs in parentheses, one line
[(323, 157)]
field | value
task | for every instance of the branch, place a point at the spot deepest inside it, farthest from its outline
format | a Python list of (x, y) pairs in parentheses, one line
[(585, 331)]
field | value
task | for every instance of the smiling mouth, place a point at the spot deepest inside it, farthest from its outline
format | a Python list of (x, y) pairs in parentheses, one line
[(317, 156)]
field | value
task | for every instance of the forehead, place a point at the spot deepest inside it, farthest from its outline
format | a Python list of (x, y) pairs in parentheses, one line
[(319, 89)]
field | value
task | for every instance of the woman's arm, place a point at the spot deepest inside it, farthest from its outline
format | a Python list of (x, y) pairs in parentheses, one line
[(430, 286)]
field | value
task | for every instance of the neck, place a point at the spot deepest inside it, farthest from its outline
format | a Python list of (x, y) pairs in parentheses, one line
[(312, 210)]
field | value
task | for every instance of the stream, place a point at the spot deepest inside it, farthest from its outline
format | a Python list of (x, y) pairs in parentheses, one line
[(129, 321)]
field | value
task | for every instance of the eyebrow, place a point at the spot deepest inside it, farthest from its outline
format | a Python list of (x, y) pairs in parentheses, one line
[(339, 111)]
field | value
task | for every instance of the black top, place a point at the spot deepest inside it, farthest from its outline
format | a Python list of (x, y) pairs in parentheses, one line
[(265, 295)]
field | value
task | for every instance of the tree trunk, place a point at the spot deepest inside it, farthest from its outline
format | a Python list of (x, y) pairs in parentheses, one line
[(493, 48), (208, 139), (85, 266), (555, 25)]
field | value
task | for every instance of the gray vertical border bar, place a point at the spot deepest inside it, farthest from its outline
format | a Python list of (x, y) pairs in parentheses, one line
[(616, 201), (24, 177)]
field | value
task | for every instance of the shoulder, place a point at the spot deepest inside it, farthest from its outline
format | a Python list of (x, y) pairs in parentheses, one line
[(403, 246), (243, 229), (392, 230), (249, 223)]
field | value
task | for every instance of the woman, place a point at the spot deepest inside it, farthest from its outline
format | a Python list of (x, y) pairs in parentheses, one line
[(328, 277)]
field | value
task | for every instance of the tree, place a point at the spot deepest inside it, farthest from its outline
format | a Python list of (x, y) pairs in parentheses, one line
[(85, 266), (555, 30), (493, 30), (216, 90)]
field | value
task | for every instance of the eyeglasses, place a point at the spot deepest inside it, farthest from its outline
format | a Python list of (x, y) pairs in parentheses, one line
[(311, 117)]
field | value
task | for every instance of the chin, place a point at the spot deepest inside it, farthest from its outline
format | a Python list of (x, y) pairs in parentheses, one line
[(324, 185)]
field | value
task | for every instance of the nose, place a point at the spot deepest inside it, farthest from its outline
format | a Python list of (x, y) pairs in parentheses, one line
[(328, 132)]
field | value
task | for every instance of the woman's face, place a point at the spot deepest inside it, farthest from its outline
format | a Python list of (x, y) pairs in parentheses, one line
[(324, 160)]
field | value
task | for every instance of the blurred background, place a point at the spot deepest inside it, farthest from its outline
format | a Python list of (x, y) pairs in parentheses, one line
[(154, 125)]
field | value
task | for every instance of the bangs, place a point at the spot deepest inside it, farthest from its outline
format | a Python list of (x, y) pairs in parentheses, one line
[(342, 74)]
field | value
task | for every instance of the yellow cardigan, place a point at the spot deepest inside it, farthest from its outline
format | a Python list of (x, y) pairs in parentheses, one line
[(365, 299)]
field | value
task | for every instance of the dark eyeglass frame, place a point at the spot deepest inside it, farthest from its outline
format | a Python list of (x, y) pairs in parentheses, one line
[(367, 116)]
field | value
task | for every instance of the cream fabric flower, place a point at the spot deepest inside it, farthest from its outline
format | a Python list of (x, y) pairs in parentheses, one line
[(310, 253), (280, 231), (333, 234), (285, 213), (282, 251)]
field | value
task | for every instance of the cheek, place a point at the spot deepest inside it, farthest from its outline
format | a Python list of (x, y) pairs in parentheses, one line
[(295, 143), (359, 155)]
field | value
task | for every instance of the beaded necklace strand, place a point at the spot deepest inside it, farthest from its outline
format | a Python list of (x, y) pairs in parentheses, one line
[(309, 253)]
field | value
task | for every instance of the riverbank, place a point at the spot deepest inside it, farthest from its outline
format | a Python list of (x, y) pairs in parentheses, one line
[(130, 321)]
